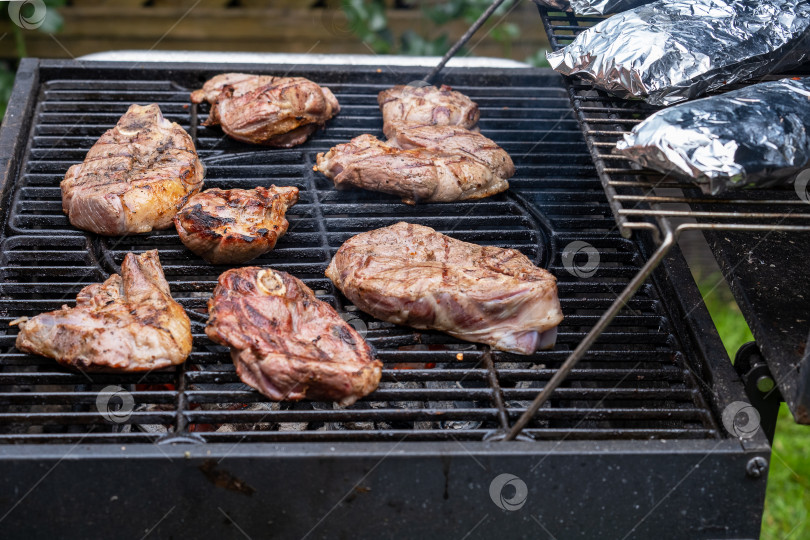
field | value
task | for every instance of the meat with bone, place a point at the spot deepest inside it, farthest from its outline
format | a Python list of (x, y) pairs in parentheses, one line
[(232, 226), (412, 275), (426, 106), (286, 343), (128, 323), (135, 177), (423, 164), (260, 109)]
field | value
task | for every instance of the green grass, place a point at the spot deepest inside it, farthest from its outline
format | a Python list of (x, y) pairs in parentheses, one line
[(787, 503), (725, 313)]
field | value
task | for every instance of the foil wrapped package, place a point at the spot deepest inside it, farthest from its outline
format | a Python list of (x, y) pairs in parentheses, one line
[(672, 50), (758, 136)]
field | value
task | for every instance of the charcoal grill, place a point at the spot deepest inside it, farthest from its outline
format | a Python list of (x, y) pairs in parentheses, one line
[(632, 445)]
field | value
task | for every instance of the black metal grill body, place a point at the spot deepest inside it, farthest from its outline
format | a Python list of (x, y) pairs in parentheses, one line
[(632, 444)]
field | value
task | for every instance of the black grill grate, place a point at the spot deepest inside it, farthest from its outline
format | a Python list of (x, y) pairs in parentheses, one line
[(636, 382)]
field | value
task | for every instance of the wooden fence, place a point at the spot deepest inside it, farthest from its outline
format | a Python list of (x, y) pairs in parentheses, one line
[(246, 25)]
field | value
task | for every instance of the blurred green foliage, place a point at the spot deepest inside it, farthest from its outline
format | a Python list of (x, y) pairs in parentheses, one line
[(368, 20)]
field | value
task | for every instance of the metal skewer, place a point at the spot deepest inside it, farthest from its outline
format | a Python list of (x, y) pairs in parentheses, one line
[(463, 40)]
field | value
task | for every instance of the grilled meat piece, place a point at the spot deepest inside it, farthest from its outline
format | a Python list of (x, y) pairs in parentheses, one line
[(260, 109), (135, 178), (412, 275), (369, 163), (128, 323), (453, 140), (426, 106), (286, 343), (435, 164), (232, 226)]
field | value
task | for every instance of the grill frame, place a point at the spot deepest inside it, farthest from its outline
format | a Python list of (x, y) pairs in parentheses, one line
[(382, 463)]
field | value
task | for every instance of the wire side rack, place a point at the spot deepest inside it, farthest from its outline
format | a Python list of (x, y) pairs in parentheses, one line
[(643, 200), (646, 200)]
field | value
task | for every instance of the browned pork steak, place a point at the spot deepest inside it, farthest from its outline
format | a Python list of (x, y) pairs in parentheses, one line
[(135, 178), (453, 140), (426, 106), (260, 109), (232, 226), (422, 164), (128, 323), (286, 343), (412, 275)]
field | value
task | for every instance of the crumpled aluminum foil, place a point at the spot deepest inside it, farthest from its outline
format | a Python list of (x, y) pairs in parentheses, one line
[(673, 50), (592, 7), (758, 136), (603, 7), (562, 5)]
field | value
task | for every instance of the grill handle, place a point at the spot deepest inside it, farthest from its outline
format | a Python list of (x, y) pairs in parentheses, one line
[(463, 40), (573, 359)]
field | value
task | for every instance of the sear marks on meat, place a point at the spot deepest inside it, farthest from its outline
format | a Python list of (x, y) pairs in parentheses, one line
[(286, 343), (426, 106), (128, 323), (412, 275), (435, 164), (260, 109), (135, 178), (232, 226)]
